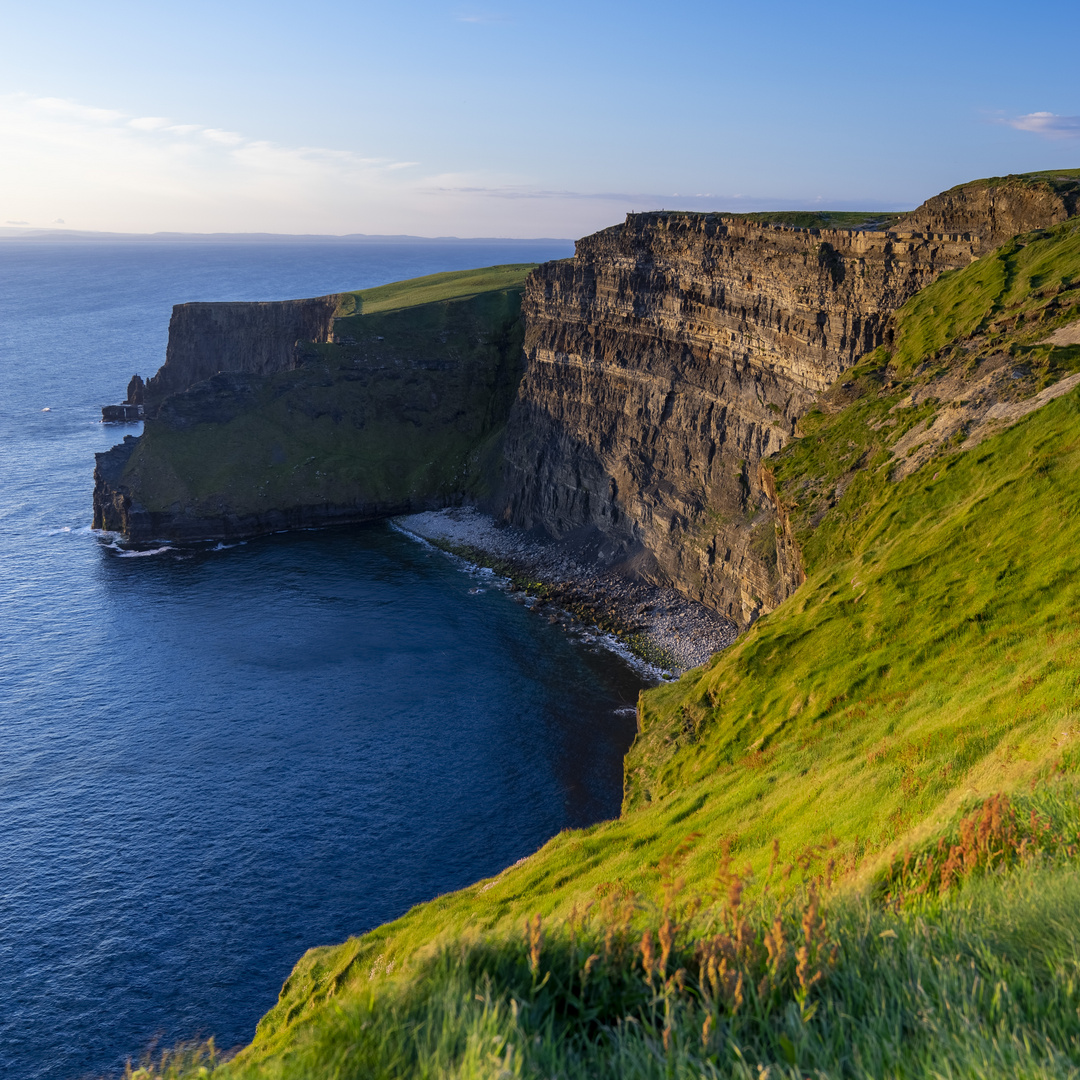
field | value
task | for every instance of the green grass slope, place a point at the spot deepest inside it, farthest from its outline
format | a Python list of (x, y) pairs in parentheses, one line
[(450, 285), (814, 872), (1057, 179)]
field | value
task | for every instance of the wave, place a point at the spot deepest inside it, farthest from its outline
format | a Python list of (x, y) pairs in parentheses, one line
[(139, 554)]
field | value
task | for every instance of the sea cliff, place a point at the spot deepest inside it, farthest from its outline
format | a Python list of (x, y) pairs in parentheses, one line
[(676, 351), (243, 338), (318, 412)]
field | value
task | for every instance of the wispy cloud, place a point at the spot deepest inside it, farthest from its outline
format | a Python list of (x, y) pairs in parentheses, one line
[(99, 168), (1047, 124), (102, 169)]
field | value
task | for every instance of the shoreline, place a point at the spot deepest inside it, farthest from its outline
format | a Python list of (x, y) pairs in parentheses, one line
[(655, 624)]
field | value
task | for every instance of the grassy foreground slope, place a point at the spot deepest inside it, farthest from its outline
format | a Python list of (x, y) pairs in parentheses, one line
[(849, 843)]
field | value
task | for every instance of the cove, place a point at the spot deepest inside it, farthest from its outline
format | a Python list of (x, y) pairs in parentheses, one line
[(215, 758)]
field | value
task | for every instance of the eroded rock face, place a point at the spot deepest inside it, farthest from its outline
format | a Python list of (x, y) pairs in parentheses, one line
[(996, 212), (677, 350), (136, 391), (244, 338), (405, 412)]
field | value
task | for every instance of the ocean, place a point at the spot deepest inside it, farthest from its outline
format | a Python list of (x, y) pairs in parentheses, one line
[(211, 757)]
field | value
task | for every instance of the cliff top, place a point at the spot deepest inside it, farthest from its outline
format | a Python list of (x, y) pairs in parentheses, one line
[(852, 220), (1029, 200), (856, 220), (451, 285), (1059, 180)]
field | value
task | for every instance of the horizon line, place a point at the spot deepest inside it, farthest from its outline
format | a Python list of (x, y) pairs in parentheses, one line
[(43, 233)]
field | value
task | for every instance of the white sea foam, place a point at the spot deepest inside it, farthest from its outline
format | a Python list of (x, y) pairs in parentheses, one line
[(57, 532), (141, 554)]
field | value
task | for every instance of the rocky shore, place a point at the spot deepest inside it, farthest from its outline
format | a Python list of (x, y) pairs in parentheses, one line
[(660, 626)]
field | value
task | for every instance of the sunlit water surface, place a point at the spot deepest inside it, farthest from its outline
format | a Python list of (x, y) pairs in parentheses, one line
[(212, 759)]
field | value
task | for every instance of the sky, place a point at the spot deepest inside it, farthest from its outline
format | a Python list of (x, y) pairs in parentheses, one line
[(515, 119)]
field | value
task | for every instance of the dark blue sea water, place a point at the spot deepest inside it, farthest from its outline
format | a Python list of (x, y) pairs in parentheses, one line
[(211, 760)]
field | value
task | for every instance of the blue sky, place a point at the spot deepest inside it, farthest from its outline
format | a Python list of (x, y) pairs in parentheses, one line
[(504, 118)]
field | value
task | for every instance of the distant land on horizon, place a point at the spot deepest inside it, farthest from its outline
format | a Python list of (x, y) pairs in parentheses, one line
[(8, 232)]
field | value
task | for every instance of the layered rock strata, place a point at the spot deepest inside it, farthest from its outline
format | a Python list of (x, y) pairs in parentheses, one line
[(405, 413), (676, 351), (241, 337), (997, 210)]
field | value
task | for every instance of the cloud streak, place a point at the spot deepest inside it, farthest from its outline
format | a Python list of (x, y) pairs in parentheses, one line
[(1047, 124), (104, 170)]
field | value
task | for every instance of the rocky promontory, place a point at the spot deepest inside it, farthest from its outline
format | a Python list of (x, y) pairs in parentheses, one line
[(319, 412)]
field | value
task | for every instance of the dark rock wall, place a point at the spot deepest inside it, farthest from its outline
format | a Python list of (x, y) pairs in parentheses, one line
[(996, 212), (246, 338), (677, 350), (404, 411)]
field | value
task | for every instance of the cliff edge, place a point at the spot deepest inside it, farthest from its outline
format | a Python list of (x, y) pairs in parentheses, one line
[(678, 350), (340, 409), (241, 337)]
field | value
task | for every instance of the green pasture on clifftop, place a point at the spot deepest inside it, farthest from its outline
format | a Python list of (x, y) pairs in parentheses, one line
[(451, 285)]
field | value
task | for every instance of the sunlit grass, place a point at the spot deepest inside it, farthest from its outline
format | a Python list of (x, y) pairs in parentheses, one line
[(450, 285)]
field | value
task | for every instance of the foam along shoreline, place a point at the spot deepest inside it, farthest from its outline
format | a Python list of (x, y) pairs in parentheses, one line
[(644, 623)]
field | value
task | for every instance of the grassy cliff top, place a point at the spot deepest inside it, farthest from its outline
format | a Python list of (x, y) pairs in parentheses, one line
[(451, 285), (873, 220), (1058, 179)]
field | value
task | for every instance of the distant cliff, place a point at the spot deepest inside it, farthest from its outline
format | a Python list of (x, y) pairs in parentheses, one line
[(241, 337), (676, 351), (368, 415)]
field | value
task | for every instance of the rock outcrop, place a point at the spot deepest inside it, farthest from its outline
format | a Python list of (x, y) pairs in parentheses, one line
[(404, 413), (240, 337), (997, 210), (677, 350), (136, 391)]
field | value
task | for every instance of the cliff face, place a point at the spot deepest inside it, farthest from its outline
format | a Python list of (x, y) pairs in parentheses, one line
[(248, 338), (404, 412), (675, 351), (996, 211)]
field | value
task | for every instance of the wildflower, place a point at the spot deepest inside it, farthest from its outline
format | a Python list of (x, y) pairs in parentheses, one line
[(535, 938), (648, 959)]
